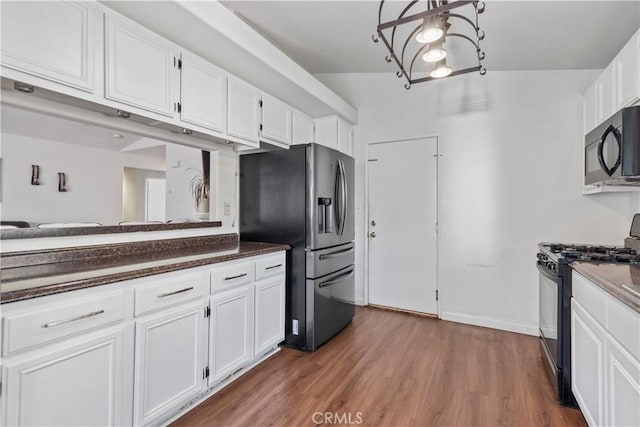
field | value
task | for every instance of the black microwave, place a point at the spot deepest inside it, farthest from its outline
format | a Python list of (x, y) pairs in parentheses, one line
[(612, 150)]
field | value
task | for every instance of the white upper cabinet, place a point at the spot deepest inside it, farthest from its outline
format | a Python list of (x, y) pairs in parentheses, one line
[(590, 106), (345, 137), (335, 133), (326, 131), (627, 73), (302, 128), (243, 111), (53, 40), (140, 68), (276, 120), (203, 93), (607, 93)]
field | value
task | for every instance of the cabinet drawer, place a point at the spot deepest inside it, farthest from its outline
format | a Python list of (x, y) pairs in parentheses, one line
[(231, 276), (169, 291), (23, 331), (271, 266), (590, 297)]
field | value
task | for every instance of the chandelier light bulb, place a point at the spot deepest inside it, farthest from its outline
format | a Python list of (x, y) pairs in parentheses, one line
[(441, 70), (435, 53), (430, 31)]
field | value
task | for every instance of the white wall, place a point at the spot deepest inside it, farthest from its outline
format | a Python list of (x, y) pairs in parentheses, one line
[(94, 181), (510, 177)]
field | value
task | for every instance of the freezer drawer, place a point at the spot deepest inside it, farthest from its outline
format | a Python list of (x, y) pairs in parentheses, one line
[(325, 261), (333, 305)]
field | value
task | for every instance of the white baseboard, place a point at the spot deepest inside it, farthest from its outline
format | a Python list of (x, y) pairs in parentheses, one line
[(359, 301), (492, 323)]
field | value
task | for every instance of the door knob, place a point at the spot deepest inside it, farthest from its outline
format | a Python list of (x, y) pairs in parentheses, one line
[(373, 223), (372, 234)]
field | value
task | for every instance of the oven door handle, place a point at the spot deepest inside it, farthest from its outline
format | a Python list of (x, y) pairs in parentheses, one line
[(547, 274)]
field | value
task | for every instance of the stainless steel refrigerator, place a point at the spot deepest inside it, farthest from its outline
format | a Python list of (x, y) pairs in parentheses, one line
[(304, 197)]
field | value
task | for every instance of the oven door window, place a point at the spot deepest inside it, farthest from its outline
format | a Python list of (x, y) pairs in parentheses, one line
[(549, 315)]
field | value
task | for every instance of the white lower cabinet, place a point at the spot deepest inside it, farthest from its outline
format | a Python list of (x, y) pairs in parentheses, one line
[(171, 349), (605, 371), (231, 332), (135, 352), (587, 364), (623, 386), (269, 321), (77, 383)]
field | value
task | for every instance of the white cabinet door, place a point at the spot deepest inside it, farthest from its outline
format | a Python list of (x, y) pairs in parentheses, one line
[(302, 128), (326, 132), (587, 364), (269, 322), (627, 73), (345, 131), (243, 111), (276, 120), (141, 68), (590, 106), (170, 358), (74, 384), (203, 93), (607, 93), (623, 386), (54, 40), (231, 332)]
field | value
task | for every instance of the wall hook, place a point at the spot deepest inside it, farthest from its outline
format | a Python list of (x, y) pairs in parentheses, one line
[(62, 182), (35, 174)]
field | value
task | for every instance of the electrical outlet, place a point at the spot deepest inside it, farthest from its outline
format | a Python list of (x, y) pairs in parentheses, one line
[(227, 208)]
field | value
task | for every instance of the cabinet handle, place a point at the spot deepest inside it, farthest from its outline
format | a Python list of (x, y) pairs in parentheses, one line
[(73, 319), (273, 266), (167, 294), (235, 277)]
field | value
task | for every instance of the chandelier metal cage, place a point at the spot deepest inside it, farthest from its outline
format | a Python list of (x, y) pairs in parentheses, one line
[(431, 33)]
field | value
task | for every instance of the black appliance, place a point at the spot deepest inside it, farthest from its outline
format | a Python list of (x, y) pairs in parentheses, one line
[(553, 262), (612, 150), (303, 196)]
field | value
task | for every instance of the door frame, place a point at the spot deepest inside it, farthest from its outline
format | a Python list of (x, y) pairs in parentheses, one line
[(438, 138)]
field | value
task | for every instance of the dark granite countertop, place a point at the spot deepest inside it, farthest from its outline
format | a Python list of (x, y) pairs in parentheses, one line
[(26, 275), (622, 281)]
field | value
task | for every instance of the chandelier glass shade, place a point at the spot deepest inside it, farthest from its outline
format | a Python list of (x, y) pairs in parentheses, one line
[(437, 22)]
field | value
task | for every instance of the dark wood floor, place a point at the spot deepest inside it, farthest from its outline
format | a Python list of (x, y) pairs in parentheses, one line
[(396, 369)]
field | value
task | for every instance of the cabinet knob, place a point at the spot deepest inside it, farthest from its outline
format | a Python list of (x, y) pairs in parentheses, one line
[(372, 234)]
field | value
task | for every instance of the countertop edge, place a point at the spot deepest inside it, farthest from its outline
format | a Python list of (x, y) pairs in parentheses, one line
[(26, 294), (616, 291)]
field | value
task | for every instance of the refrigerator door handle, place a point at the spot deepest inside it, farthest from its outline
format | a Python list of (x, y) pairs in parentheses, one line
[(344, 196), (338, 279), (336, 190)]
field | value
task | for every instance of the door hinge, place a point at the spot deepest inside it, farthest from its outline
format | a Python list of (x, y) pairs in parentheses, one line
[(179, 107), (260, 127), (179, 64), (436, 227), (205, 373), (207, 311), (436, 295), (260, 103)]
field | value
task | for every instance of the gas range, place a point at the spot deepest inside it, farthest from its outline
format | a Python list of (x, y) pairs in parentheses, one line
[(553, 262), (566, 253)]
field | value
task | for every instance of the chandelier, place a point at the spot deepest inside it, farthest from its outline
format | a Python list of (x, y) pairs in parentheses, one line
[(426, 41)]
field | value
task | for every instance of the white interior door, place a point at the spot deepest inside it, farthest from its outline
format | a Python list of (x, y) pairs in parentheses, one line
[(155, 199), (402, 224)]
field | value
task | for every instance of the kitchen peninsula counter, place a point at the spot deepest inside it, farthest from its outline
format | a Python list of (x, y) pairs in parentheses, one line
[(26, 275)]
